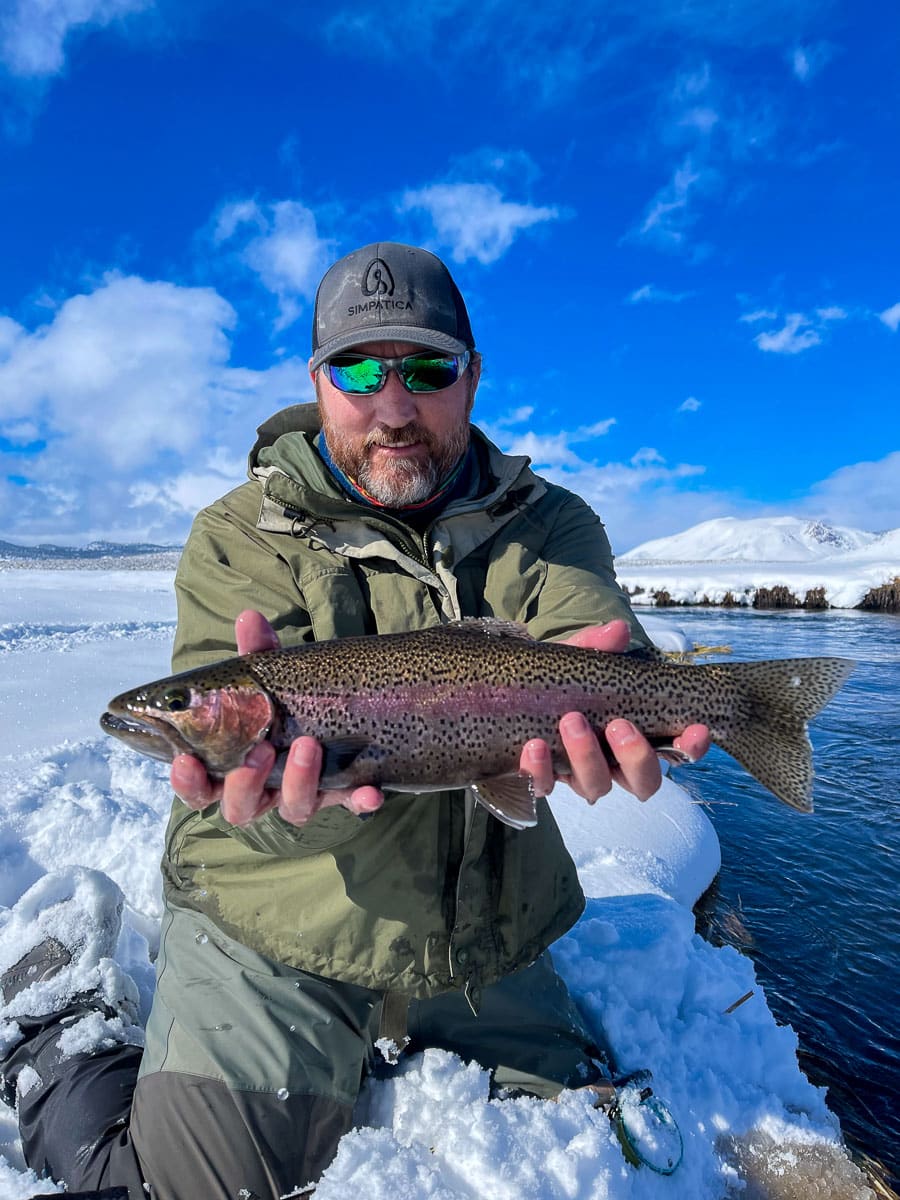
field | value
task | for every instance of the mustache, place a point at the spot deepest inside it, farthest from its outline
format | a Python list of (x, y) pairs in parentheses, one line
[(384, 435)]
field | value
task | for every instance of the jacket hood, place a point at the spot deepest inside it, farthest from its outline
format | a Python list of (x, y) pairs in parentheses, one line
[(297, 418)]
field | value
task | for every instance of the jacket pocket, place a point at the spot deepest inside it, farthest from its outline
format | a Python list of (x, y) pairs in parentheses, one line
[(335, 602)]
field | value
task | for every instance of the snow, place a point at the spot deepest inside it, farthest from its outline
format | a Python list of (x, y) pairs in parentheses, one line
[(758, 539), (707, 562), (665, 999)]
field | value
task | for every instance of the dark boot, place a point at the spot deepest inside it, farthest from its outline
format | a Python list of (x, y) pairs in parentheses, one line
[(68, 1061)]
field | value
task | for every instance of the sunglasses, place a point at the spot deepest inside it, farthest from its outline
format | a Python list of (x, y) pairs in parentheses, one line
[(361, 375)]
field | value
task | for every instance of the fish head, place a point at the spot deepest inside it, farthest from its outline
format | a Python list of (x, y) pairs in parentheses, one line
[(218, 718)]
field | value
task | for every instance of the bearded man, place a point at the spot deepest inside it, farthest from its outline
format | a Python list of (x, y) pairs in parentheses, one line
[(304, 928)]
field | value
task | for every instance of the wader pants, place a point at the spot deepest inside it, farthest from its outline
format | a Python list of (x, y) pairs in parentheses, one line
[(251, 1070)]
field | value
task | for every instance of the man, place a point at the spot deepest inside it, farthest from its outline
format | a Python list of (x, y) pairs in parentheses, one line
[(302, 926)]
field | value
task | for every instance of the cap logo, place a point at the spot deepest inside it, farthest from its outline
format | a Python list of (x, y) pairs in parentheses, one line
[(378, 280)]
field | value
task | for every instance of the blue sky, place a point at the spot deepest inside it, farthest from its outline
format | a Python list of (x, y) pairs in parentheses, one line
[(676, 224)]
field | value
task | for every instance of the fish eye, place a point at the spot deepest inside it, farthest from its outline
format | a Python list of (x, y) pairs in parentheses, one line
[(176, 699)]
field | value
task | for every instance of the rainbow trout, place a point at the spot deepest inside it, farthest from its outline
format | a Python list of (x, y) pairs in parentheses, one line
[(452, 706)]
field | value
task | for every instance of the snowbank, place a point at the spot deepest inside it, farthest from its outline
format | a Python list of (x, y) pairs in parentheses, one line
[(660, 996), (845, 584)]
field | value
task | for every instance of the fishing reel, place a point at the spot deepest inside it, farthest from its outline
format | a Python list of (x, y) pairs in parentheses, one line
[(644, 1125), (642, 1122)]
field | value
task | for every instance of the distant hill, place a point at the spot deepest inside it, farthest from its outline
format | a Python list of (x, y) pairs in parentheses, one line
[(764, 539), (110, 556), (91, 550)]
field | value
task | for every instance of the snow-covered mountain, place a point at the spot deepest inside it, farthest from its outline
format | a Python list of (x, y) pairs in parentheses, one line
[(763, 539), (885, 546)]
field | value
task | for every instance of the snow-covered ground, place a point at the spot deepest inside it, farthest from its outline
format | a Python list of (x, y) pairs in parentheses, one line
[(706, 563), (663, 998)]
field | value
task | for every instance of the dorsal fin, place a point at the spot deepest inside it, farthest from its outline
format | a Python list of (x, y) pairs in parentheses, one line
[(491, 625)]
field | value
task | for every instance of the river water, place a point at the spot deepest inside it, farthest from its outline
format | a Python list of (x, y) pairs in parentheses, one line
[(814, 899)]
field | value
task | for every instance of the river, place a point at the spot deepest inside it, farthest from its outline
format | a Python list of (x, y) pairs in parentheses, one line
[(814, 899)]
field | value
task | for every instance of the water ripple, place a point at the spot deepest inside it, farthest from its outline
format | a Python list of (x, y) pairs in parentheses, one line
[(818, 895)]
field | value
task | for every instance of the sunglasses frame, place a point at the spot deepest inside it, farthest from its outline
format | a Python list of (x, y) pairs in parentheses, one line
[(395, 364)]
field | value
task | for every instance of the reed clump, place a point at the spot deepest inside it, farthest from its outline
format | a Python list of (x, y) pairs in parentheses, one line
[(778, 596), (883, 599)]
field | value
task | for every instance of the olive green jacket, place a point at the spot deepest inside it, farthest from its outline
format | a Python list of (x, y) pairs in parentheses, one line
[(430, 892)]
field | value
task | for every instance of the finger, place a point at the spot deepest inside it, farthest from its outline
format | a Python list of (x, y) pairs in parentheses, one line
[(253, 632), (590, 771), (190, 781), (638, 768), (537, 762), (243, 789), (613, 638), (356, 800), (365, 800), (300, 794), (694, 741)]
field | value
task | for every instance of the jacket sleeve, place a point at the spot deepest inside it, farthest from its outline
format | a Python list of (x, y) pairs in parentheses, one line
[(223, 570), (580, 586)]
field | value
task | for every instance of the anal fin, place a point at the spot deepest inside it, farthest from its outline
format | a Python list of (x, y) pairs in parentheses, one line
[(671, 754), (509, 797)]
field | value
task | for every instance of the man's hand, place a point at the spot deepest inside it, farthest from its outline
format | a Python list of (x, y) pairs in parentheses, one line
[(638, 769), (242, 795)]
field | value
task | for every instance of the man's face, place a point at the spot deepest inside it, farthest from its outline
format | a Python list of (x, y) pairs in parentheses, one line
[(397, 445)]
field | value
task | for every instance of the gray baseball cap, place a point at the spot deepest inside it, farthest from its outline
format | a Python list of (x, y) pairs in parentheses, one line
[(389, 292)]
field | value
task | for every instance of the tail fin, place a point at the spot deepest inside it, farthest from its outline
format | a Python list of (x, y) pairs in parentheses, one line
[(768, 736)]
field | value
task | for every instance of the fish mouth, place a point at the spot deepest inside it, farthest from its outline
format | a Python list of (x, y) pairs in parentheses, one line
[(158, 739)]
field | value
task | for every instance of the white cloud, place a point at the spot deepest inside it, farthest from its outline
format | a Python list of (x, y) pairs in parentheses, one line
[(690, 405), (669, 216), (33, 32), (860, 494), (650, 293), (20, 433), (548, 449), (640, 496), (135, 415), (891, 317), (760, 314), (545, 450), (284, 249), (807, 61), (701, 118), (473, 219), (546, 52), (799, 331), (125, 371), (184, 494), (599, 429), (518, 415), (796, 335)]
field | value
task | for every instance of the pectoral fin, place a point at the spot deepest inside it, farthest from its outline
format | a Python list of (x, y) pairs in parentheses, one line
[(339, 754), (509, 797)]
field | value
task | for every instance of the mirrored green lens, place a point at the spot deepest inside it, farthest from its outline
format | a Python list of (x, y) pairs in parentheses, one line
[(357, 375), (361, 376), (429, 372)]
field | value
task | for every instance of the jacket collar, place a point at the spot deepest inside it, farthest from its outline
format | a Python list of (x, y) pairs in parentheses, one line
[(295, 479)]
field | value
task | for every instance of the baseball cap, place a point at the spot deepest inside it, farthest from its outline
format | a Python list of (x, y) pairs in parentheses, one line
[(389, 292)]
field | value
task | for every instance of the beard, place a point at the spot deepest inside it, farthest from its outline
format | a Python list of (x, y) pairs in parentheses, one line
[(396, 482)]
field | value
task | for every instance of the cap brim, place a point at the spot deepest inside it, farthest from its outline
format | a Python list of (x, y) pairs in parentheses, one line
[(387, 333)]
